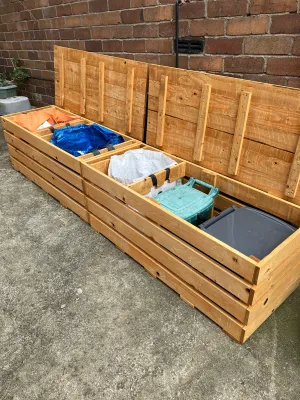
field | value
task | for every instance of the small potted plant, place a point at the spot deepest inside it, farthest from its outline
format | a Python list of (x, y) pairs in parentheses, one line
[(7, 88), (8, 84)]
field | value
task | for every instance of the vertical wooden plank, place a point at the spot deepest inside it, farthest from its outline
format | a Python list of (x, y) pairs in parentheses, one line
[(202, 122), (294, 175), (101, 92), (162, 102), (62, 79), (240, 128), (129, 99), (82, 85)]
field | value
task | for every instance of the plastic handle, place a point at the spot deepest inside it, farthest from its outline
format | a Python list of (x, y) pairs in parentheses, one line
[(213, 190)]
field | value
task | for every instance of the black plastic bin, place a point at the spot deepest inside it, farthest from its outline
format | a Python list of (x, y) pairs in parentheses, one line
[(248, 230)]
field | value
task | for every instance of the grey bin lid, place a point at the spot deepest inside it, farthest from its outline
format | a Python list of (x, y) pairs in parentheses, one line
[(250, 231)]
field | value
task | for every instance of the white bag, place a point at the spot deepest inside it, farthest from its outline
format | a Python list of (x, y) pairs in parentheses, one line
[(138, 164)]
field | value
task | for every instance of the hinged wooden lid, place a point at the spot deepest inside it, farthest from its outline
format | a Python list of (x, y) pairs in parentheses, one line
[(108, 90), (243, 129)]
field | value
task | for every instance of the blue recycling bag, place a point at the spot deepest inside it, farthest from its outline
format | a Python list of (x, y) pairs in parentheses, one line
[(82, 139)]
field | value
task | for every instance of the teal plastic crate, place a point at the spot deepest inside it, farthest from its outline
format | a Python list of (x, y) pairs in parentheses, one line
[(187, 202)]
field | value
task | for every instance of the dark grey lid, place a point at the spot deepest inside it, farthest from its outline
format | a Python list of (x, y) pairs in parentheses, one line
[(248, 230)]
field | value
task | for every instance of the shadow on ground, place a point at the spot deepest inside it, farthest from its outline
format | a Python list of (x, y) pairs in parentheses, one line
[(81, 320)]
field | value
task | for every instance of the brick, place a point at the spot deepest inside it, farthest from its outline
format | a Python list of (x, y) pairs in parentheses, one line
[(248, 26), (100, 32), (296, 47), (64, 10), (159, 46), (39, 35), (121, 32), (80, 8), (110, 18), (132, 16), (207, 27), (161, 13), (112, 45), (37, 14), (58, 23), (93, 45), (192, 10), (145, 31), (275, 80), (67, 34), (134, 46), (289, 23), (97, 6), (294, 82), (118, 4), (244, 64), (148, 58), (90, 20), (206, 63), (224, 46), (170, 61), (268, 45), (168, 29), (226, 8), (284, 66), (272, 6), (72, 21), (76, 44), (143, 3), (82, 33), (41, 3), (45, 24)]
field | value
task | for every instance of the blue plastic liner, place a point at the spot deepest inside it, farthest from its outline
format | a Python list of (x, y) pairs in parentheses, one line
[(82, 139)]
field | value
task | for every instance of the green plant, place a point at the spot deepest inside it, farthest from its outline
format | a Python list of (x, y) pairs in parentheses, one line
[(3, 80), (19, 73)]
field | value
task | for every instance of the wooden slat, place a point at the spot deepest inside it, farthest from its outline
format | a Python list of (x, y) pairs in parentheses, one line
[(82, 86), (62, 78), (114, 102), (234, 260), (198, 281), (239, 133), (65, 200), (162, 102), (199, 261), (101, 89), (43, 145), (230, 325), (49, 163), (202, 122), (43, 172), (108, 154), (129, 99), (144, 186), (278, 256), (294, 175)]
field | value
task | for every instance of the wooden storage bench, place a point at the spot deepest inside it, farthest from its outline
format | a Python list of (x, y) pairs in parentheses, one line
[(237, 292), (56, 171), (240, 136)]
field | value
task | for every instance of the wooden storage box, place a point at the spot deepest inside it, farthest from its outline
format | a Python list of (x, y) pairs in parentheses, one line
[(56, 171), (240, 136)]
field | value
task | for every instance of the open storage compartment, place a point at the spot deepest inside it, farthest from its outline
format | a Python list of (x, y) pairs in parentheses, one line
[(239, 136), (55, 170)]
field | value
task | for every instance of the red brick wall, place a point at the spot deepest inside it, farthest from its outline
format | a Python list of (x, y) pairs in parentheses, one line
[(253, 39)]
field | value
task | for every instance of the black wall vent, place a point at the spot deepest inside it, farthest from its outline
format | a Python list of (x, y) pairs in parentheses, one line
[(190, 46)]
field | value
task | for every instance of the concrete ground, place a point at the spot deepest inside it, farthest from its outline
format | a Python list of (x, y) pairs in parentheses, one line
[(81, 320)]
